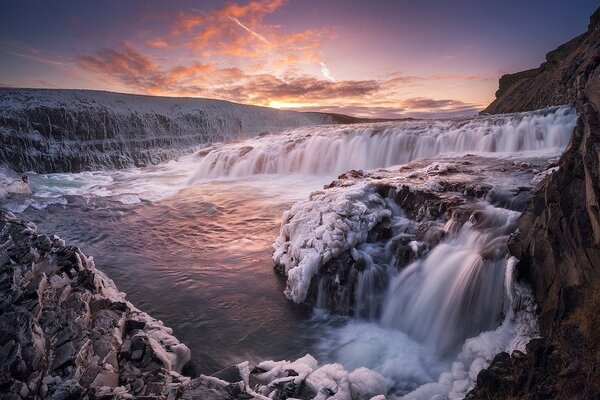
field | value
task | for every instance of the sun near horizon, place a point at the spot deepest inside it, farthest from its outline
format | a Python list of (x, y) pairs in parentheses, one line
[(384, 59)]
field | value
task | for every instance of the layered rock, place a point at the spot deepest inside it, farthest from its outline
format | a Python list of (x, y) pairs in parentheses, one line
[(66, 331), (558, 237), (46, 130)]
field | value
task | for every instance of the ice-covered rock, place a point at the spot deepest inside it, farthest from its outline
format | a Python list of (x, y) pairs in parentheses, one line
[(319, 236), (323, 227)]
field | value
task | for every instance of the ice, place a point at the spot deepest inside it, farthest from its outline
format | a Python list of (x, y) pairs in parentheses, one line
[(540, 176), (323, 227), (168, 348), (329, 381), (11, 182), (102, 130)]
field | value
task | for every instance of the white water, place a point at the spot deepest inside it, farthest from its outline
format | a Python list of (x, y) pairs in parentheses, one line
[(331, 150), (312, 156), (443, 317), (457, 290)]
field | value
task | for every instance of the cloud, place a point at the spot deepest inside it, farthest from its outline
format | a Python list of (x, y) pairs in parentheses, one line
[(326, 73), (240, 30), (39, 59), (124, 65), (130, 68), (421, 103), (234, 53), (157, 43)]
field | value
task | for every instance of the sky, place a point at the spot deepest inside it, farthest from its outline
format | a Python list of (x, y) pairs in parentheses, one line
[(388, 59)]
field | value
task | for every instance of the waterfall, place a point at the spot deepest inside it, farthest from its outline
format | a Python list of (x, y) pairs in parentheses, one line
[(331, 150), (457, 290)]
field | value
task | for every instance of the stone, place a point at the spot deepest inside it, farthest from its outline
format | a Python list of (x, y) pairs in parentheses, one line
[(96, 344)]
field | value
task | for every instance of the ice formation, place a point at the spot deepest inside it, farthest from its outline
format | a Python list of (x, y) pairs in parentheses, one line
[(75, 130), (330, 381), (321, 228)]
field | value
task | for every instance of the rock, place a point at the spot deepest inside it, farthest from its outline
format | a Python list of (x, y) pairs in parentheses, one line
[(45, 130), (67, 333)]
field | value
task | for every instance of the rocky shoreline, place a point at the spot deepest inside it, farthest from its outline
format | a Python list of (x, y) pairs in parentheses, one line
[(67, 333)]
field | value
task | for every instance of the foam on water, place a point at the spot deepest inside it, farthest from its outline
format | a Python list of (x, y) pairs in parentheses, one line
[(323, 151)]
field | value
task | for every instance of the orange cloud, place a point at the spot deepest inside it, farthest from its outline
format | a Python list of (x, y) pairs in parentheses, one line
[(128, 67), (240, 31), (158, 43)]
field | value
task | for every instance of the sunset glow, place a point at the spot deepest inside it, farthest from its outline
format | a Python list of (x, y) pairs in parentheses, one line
[(384, 59)]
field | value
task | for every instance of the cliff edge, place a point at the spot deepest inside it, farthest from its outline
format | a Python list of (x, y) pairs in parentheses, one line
[(558, 236)]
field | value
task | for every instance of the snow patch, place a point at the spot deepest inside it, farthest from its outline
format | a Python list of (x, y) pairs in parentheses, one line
[(316, 230)]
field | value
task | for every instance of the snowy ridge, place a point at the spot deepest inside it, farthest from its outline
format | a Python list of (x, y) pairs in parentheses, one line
[(73, 130)]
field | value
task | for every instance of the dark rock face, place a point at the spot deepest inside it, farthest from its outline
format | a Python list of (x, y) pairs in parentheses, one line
[(569, 74), (76, 130), (558, 237), (67, 333)]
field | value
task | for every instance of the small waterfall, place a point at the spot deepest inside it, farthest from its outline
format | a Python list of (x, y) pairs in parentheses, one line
[(370, 285), (331, 150), (455, 292)]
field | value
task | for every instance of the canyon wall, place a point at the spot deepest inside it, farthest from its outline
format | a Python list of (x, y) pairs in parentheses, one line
[(45, 130)]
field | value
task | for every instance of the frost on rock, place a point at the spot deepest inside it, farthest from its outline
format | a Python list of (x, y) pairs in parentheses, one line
[(67, 332), (538, 178), (75, 130), (10, 183), (321, 228), (330, 381)]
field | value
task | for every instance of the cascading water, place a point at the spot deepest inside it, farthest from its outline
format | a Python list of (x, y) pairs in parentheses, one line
[(457, 290), (423, 314), (331, 150)]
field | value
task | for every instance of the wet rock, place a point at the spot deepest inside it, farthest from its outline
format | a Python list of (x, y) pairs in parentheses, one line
[(428, 214), (76, 130)]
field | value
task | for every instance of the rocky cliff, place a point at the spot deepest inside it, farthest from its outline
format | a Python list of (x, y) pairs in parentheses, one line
[(46, 130), (558, 236)]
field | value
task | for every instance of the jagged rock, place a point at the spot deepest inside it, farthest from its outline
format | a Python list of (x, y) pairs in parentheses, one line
[(67, 333), (435, 211)]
